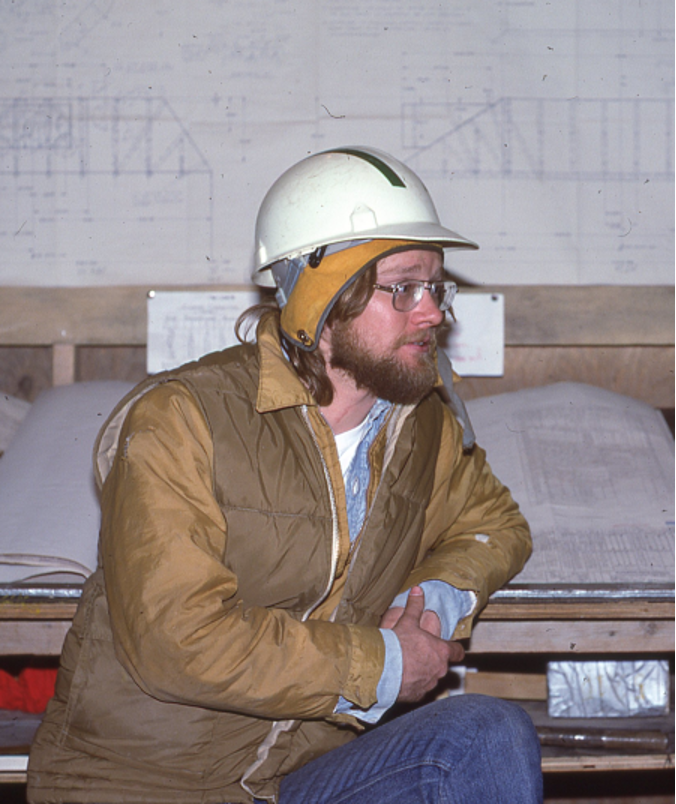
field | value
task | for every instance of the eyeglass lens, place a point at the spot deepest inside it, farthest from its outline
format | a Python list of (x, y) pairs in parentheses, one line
[(409, 294)]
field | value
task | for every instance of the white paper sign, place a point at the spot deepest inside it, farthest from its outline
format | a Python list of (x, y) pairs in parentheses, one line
[(184, 325), (476, 344)]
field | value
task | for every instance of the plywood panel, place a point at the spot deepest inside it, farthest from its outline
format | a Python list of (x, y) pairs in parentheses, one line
[(126, 363), (25, 371)]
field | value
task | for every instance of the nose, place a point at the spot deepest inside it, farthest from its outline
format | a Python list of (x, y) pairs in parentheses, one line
[(427, 312)]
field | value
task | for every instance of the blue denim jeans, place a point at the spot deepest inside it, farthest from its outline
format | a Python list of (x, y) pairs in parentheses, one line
[(466, 749)]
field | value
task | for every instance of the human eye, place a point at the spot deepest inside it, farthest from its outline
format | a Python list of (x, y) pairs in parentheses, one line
[(408, 286), (407, 294), (408, 290)]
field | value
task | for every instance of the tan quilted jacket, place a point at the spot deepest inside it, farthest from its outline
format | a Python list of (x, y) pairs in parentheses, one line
[(230, 611)]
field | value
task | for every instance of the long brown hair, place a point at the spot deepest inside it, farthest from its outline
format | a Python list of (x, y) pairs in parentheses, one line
[(311, 366)]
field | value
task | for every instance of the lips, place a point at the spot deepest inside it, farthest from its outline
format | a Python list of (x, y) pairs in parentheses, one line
[(423, 342)]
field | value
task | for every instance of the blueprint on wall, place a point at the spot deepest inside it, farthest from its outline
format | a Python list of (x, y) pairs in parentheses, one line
[(137, 140)]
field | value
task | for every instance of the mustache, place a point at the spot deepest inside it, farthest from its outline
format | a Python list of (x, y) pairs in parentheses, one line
[(429, 335)]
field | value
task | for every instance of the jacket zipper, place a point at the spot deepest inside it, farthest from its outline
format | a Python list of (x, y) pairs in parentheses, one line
[(335, 540)]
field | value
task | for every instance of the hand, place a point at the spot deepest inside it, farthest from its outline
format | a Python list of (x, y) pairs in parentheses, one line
[(426, 657), (429, 621)]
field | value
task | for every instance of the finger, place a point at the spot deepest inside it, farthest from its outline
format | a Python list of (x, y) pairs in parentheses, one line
[(415, 604), (391, 617), (456, 652)]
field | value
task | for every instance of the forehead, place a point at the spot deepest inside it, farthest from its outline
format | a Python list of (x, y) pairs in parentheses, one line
[(410, 264)]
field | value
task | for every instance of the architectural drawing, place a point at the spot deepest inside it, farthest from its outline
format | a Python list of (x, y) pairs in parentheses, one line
[(96, 135), (605, 139), (101, 165), (138, 139), (91, 14), (590, 177)]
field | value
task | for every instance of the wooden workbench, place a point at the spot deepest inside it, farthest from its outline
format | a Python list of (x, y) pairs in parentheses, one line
[(557, 621)]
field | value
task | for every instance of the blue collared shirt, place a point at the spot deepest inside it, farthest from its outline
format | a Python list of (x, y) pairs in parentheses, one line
[(449, 603)]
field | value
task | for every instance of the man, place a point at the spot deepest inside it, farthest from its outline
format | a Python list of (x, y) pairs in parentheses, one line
[(292, 532)]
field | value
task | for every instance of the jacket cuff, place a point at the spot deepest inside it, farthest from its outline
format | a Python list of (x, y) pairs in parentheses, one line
[(367, 659)]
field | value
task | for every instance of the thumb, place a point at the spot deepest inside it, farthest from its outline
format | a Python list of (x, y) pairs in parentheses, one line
[(415, 604)]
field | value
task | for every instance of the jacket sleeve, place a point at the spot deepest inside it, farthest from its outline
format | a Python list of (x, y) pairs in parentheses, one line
[(178, 626), (475, 537)]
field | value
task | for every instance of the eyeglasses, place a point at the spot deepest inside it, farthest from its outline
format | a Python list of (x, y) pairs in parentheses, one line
[(408, 295)]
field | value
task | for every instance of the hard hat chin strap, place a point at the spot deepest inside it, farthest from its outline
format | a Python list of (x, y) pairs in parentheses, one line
[(454, 402)]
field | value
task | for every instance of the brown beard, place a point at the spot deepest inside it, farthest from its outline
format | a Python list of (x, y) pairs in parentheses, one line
[(386, 377)]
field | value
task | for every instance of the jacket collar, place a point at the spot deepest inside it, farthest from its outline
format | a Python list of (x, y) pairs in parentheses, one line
[(278, 386)]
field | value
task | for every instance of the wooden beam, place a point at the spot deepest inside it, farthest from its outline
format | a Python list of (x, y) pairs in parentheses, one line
[(609, 762), (32, 637), (589, 315), (43, 610), (607, 609), (535, 315), (512, 686), (45, 638), (504, 610), (9, 774), (572, 637), (561, 764), (63, 364), (85, 316)]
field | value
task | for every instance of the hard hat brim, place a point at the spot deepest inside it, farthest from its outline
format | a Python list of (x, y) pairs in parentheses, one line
[(423, 232)]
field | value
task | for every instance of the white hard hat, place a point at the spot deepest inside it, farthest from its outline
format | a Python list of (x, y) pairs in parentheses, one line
[(342, 196)]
